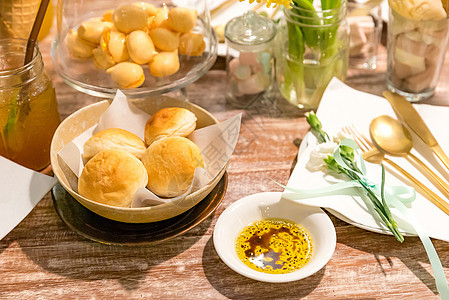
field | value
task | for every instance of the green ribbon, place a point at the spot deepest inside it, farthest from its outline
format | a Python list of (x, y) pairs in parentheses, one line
[(396, 196)]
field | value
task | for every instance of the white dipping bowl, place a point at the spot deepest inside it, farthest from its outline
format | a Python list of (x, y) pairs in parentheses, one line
[(271, 205)]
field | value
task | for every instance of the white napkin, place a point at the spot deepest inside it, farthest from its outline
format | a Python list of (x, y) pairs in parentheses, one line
[(20, 190), (341, 106)]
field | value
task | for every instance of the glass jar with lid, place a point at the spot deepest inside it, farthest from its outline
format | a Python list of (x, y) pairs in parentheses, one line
[(249, 58), (28, 107)]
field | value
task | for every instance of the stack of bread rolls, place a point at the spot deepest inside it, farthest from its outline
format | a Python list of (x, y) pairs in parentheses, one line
[(119, 162), (137, 34)]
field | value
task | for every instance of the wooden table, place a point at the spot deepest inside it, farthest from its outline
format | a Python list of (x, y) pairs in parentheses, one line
[(42, 258)]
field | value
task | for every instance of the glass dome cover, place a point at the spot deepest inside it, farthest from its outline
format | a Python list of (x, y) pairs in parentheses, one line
[(82, 74), (250, 29)]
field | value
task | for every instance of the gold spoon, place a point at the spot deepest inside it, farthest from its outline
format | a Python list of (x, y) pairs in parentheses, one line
[(373, 155), (391, 137)]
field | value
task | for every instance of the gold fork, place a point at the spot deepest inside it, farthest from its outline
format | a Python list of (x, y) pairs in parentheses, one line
[(373, 155)]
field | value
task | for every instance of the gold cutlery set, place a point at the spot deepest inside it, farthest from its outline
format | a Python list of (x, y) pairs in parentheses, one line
[(390, 137)]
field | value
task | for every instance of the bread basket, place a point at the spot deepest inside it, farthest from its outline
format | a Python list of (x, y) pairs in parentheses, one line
[(88, 116)]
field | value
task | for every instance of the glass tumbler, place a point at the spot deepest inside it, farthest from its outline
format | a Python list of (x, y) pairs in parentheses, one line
[(312, 46), (365, 23), (416, 51), (28, 107)]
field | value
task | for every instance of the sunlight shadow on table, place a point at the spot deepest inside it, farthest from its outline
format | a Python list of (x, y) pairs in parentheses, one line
[(235, 286), (411, 252), (5, 243), (75, 257)]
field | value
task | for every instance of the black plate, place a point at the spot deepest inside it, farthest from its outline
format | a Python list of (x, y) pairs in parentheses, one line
[(99, 229)]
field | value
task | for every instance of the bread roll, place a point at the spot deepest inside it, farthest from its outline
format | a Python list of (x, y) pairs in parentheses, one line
[(191, 44), (182, 19), (127, 74), (171, 121), (112, 177), (171, 163), (113, 138), (164, 64)]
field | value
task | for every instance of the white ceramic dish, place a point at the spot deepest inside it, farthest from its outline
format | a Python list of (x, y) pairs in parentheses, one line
[(271, 205)]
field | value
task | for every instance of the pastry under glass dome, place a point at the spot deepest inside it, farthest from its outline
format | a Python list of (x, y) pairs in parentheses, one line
[(82, 74)]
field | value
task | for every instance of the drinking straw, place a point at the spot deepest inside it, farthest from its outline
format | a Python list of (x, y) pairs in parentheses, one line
[(35, 30), (445, 5)]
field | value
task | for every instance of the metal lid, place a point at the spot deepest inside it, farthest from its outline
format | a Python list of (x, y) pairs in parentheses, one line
[(250, 29)]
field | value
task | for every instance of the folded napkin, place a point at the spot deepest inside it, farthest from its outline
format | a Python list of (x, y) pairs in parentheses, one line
[(20, 190), (341, 106)]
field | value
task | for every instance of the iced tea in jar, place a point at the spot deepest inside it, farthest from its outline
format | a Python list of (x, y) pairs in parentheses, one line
[(28, 109)]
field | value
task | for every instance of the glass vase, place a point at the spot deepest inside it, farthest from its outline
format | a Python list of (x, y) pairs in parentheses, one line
[(313, 47)]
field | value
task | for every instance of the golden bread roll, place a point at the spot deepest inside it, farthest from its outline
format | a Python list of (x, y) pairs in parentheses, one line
[(91, 30), (171, 163), (182, 19), (160, 18), (130, 17), (127, 74), (191, 44), (102, 60), (164, 39), (116, 139), (140, 47), (170, 121), (77, 47), (164, 64), (112, 177), (113, 43), (149, 8)]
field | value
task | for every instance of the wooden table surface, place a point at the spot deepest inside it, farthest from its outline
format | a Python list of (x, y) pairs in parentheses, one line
[(42, 258)]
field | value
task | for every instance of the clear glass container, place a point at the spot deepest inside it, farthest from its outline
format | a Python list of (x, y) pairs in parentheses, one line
[(365, 23), (85, 76), (312, 46), (28, 107), (249, 58), (416, 51)]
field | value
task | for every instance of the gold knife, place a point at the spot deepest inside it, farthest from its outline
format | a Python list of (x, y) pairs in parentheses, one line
[(412, 118)]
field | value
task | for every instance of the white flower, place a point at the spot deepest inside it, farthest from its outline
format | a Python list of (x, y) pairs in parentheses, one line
[(317, 156), (340, 136)]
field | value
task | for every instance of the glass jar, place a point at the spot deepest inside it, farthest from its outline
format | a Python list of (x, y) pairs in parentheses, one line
[(365, 23), (312, 46), (249, 58), (28, 108), (416, 50)]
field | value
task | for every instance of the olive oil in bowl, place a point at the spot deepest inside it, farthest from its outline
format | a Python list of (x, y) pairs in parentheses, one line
[(274, 246)]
